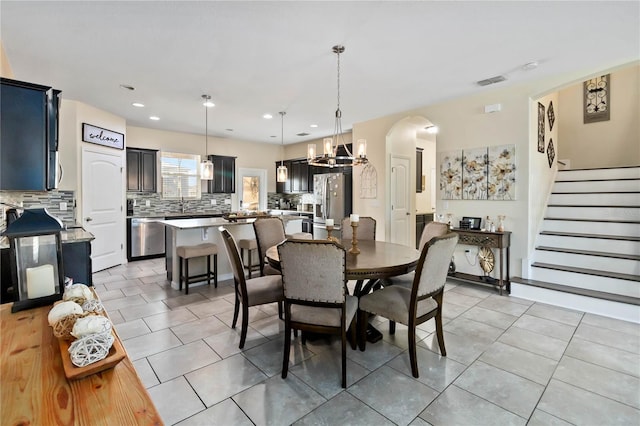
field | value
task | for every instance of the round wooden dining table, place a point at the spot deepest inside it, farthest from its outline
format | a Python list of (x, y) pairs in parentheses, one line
[(378, 260)]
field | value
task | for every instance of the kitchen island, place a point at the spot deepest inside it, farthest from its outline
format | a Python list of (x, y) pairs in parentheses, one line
[(205, 230)]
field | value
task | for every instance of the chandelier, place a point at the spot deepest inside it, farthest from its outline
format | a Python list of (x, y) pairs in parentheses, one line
[(206, 166), (330, 156), (281, 172)]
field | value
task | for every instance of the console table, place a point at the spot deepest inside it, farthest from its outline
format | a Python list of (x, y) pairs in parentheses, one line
[(497, 240)]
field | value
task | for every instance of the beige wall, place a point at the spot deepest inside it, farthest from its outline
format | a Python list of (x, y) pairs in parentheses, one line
[(615, 142), (5, 66)]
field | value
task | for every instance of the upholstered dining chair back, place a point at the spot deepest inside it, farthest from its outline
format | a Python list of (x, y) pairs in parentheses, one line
[(433, 266), (269, 232), (432, 229), (237, 267), (313, 270), (366, 228)]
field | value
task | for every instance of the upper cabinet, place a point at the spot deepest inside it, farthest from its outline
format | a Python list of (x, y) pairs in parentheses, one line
[(28, 135), (224, 174), (141, 170), (299, 179)]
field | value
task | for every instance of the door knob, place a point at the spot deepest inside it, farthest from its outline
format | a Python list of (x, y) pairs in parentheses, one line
[(408, 214), (88, 219)]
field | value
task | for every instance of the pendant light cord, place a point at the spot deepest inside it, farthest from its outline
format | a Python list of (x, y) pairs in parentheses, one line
[(282, 114)]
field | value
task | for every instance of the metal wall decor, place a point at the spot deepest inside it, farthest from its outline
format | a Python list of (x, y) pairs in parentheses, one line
[(551, 153), (541, 119), (596, 95), (551, 115), (369, 182)]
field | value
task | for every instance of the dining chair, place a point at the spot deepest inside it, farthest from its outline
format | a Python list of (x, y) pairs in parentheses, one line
[(315, 295), (432, 229), (269, 232), (415, 305), (249, 292), (366, 228)]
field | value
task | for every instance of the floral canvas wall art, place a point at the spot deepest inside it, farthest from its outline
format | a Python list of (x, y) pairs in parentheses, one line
[(451, 175), (502, 172), (474, 174)]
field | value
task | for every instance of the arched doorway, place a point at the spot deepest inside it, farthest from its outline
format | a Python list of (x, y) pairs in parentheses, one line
[(402, 140)]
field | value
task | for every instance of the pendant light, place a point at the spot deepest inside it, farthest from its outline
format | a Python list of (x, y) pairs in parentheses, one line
[(282, 172), (329, 157), (206, 166)]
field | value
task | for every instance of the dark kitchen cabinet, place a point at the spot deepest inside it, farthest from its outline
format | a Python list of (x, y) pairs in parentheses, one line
[(28, 135), (418, 169), (299, 180), (141, 170), (224, 175)]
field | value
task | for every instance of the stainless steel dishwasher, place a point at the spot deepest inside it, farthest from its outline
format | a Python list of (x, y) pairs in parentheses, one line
[(146, 238)]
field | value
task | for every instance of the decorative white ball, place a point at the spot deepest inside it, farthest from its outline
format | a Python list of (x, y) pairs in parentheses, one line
[(77, 292), (91, 325), (62, 310)]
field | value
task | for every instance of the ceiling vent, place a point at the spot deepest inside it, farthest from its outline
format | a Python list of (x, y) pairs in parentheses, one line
[(303, 134), (492, 80)]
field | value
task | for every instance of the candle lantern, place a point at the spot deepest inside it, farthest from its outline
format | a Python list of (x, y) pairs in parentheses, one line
[(36, 259)]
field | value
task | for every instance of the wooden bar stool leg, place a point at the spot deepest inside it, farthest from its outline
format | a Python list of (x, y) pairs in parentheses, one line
[(215, 270), (209, 270), (186, 278)]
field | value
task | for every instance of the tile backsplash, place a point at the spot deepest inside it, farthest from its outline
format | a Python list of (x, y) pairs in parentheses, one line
[(30, 200), (159, 206)]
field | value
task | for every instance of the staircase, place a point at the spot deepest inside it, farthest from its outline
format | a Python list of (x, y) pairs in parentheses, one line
[(587, 256)]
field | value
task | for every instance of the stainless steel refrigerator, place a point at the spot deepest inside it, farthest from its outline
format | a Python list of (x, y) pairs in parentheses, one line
[(332, 192)]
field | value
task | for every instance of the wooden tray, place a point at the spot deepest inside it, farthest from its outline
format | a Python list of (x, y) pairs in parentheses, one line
[(116, 354)]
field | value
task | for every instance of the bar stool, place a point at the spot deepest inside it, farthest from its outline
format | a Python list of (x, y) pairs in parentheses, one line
[(249, 244), (185, 253)]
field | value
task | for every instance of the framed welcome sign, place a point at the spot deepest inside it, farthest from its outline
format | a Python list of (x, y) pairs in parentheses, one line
[(100, 136)]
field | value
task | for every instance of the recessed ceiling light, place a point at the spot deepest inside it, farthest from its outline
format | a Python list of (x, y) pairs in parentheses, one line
[(127, 87), (138, 105), (267, 116), (154, 118), (530, 66), (313, 125)]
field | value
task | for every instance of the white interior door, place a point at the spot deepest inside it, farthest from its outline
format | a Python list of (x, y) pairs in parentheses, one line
[(400, 200), (102, 212), (248, 182)]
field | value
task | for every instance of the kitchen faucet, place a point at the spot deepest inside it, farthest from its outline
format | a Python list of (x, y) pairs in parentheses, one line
[(182, 204)]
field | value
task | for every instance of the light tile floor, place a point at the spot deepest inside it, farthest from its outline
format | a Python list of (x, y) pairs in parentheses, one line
[(510, 361)]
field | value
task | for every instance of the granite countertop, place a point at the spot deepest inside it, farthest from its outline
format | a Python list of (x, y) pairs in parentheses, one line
[(213, 222), (73, 235)]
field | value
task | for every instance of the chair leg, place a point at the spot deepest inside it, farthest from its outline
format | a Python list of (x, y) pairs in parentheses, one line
[(280, 315), (186, 276), (245, 325), (440, 334), (215, 270), (353, 337), (392, 327), (344, 358), (236, 310), (412, 349), (363, 320), (303, 337), (180, 260), (287, 348), (249, 263)]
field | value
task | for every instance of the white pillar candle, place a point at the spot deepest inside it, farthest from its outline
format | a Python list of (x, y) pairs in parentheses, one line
[(329, 222), (354, 218), (40, 281)]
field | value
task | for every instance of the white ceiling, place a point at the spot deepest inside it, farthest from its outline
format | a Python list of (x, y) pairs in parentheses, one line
[(263, 57)]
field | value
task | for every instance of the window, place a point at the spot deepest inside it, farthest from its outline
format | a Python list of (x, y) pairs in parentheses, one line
[(180, 176)]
